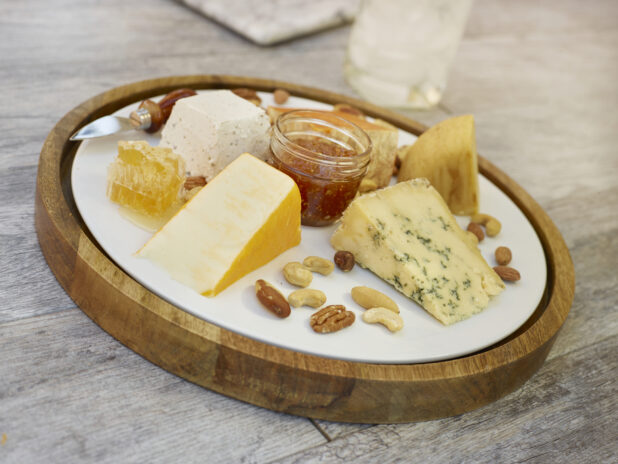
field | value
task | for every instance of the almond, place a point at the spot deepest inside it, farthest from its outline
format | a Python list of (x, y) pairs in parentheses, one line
[(503, 255), (248, 94), (476, 230), (345, 108), (281, 96), (508, 274)]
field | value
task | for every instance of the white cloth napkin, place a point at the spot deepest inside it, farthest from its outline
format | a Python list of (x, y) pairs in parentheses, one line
[(270, 21)]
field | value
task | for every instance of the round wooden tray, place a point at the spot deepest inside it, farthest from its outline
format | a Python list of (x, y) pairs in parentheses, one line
[(262, 374)]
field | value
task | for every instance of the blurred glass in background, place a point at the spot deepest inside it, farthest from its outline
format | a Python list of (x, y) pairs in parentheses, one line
[(400, 51)]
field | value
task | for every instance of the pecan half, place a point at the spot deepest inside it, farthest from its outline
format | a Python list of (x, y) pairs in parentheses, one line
[(194, 181), (331, 319)]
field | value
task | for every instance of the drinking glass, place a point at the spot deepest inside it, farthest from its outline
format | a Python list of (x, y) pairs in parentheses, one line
[(399, 51)]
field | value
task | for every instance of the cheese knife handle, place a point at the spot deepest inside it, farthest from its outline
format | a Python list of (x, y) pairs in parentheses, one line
[(150, 116), (167, 103)]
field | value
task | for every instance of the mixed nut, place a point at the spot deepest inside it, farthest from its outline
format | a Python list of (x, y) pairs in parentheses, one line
[(502, 254), (476, 229), (344, 260), (508, 274), (491, 224), (369, 298), (297, 274), (331, 319), (379, 308), (272, 299), (392, 321), (320, 265), (307, 297)]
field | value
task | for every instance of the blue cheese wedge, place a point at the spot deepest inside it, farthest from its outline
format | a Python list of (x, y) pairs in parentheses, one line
[(407, 235)]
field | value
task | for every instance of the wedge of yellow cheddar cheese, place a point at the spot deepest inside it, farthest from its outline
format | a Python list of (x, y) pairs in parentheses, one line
[(446, 155), (242, 219)]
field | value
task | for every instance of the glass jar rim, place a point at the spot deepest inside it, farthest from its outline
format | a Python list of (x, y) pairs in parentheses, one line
[(324, 118)]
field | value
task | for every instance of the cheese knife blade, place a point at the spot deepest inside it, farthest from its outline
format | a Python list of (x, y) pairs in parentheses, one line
[(150, 116), (106, 125)]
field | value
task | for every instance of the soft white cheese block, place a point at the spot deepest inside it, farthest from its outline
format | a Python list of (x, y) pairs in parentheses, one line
[(212, 129), (407, 235), (243, 218)]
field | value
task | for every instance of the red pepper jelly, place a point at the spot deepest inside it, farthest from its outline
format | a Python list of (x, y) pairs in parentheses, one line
[(327, 157)]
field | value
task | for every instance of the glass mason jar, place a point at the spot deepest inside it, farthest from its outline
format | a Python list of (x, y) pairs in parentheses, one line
[(399, 51), (326, 155)]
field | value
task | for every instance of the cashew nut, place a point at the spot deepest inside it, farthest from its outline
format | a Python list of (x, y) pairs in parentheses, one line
[(296, 274), (492, 225), (320, 265), (384, 316), (307, 297), (369, 298)]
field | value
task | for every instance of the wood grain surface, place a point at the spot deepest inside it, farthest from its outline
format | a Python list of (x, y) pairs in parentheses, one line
[(540, 80)]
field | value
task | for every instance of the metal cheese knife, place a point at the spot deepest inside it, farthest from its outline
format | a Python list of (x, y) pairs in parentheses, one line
[(150, 116)]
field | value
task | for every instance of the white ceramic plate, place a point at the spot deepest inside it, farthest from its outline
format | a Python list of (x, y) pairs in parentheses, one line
[(422, 339)]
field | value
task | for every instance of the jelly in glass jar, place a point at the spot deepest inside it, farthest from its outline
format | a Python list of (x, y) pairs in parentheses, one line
[(326, 155)]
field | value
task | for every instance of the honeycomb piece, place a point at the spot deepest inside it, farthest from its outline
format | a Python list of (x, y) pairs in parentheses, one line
[(145, 179)]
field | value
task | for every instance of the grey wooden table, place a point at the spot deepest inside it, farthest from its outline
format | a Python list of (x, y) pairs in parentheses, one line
[(541, 79)]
